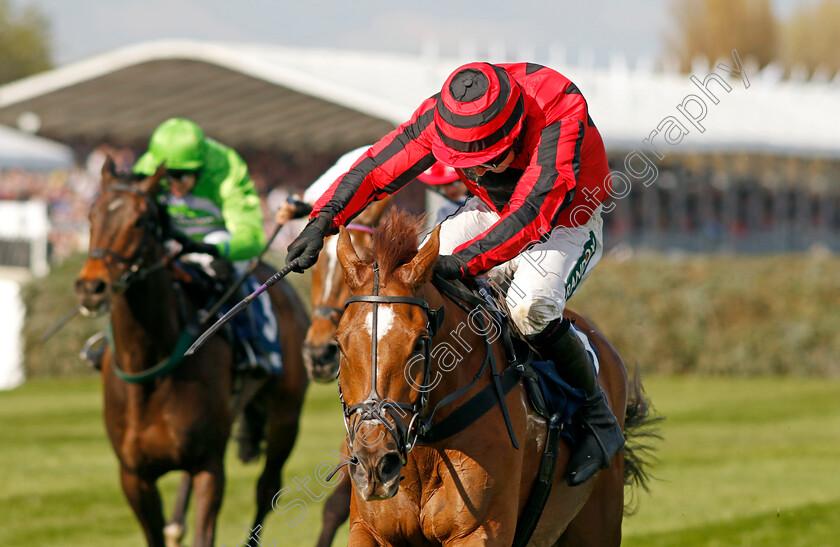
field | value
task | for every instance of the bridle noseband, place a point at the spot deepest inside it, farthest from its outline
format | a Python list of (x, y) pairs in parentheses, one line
[(133, 264), (377, 409)]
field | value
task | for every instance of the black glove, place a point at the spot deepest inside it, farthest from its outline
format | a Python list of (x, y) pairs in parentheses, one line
[(308, 244), (190, 246), (450, 267)]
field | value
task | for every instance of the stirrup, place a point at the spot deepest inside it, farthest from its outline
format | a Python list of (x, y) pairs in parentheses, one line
[(91, 354)]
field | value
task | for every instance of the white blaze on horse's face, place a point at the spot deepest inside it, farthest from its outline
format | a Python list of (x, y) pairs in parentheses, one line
[(384, 321), (114, 205)]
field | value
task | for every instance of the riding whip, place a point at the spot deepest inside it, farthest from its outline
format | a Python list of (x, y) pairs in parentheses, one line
[(241, 306), (235, 287), (60, 323)]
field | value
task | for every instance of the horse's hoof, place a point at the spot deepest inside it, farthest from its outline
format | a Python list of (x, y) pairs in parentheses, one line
[(173, 532)]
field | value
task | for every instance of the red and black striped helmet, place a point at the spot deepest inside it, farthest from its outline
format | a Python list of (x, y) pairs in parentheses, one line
[(478, 116)]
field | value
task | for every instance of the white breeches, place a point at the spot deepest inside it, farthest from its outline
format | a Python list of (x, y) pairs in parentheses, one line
[(540, 280)]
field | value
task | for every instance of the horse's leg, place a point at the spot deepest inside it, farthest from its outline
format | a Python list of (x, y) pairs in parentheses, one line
[(144, 498), (282, 429), (336, 511), (360, 536), (209, 485), (598, 523), (175, 528)]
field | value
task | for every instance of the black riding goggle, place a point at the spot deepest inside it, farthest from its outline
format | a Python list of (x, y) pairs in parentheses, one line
[(495, 162), (180, 174)]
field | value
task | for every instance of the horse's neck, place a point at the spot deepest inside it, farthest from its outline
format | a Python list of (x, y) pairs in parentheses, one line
[(145, 320), (462, 342)]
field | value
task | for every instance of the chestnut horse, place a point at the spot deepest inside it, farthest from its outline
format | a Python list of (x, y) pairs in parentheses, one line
[(469, 487), (180, 419)]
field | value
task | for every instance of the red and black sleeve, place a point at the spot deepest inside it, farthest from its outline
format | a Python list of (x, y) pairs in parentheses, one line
[(384, 169)]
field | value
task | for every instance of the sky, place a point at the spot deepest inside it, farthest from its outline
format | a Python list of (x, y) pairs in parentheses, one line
[(591, 30)]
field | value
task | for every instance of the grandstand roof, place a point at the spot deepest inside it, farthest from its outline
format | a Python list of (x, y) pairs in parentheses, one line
[(322, 100)]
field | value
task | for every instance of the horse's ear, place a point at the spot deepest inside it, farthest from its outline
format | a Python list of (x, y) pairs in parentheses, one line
[(151, 185), (109, 171), (418, 272), (353, 267), (373, 212)]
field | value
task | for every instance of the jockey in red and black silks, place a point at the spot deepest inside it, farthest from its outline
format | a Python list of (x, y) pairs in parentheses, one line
[(521, 138), (546, 117)]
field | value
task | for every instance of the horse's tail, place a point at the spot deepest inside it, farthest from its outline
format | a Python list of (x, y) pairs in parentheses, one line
[(641, 433)]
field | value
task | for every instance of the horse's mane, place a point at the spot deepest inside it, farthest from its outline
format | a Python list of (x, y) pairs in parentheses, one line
[(395, 241)]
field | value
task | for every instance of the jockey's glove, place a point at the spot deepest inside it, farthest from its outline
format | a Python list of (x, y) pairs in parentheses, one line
[(308, 244), (450, 267)]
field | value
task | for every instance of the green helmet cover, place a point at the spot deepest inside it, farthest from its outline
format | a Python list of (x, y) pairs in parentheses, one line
[(179, 143)]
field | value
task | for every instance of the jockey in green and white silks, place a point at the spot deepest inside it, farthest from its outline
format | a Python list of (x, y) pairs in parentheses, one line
[(223, 197), (211, 198)]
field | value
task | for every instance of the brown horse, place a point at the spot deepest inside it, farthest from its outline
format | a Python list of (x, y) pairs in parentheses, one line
[(179, 420), (469, 487), (328, 293)]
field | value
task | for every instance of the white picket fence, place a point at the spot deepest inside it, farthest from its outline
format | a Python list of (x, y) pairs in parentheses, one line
[(24, 227), (11, 343)]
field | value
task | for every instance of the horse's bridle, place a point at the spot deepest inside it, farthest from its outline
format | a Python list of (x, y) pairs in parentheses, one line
[(133, 264), (377, 409)]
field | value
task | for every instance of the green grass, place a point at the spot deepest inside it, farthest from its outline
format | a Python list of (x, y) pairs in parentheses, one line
[(740, 316), (59, 483), (743, 462)]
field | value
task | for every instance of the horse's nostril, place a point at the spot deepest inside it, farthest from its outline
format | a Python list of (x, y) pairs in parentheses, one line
[(99, 287), (390, 465)]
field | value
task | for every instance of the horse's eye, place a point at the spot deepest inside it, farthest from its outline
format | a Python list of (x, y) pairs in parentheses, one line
[(140, 222), (419, 345)]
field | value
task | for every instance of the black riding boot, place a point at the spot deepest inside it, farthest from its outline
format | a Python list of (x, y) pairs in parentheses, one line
[(602, 437)]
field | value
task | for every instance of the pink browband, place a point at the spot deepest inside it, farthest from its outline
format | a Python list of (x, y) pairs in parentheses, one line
[(360, 227)]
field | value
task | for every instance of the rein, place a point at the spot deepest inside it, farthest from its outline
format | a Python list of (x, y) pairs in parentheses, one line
[(360, 228), (164, 366)]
